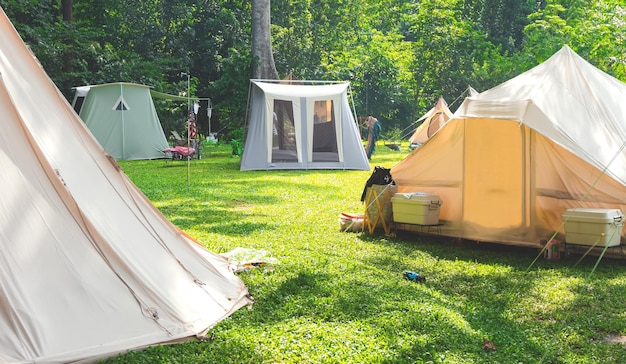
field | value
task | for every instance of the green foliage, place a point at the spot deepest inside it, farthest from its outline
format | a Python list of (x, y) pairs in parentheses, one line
[(605, 24), (399, 56), (394, 134), (339, 297), (237, 147), (231, 90), (549, 26), (236, 134), (236, 141)]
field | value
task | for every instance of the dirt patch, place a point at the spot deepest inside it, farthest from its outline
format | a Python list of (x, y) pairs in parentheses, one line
[(615, 339)]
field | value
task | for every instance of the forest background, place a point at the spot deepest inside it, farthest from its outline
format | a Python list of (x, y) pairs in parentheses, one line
[(400, 56)]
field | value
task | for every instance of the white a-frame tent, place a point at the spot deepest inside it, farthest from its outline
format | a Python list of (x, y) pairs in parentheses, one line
[(301, 126), (123, 119), (88, 266)]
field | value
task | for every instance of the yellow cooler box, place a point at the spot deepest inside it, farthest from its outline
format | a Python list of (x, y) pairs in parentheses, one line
[(599, 227), (418, 208)]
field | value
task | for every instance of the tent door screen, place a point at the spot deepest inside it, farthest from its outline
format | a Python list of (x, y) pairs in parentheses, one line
[(324, 133), (284, 143)]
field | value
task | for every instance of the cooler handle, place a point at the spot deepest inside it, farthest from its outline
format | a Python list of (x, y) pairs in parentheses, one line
[(434, 205)]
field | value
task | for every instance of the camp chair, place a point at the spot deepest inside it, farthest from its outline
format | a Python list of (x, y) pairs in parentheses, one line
[(178, 140), (392, 145), (378, 212), (179, 152), (182, 142)]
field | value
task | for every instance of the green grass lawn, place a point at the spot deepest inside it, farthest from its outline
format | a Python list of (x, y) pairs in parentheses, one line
[(339, 297)]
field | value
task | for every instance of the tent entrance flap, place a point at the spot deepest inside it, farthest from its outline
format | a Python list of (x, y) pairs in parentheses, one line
[(323, 131), (289, 134), (494, 175)]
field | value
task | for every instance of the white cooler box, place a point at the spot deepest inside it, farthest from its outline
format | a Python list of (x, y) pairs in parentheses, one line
[(418, 208), (584, 226)]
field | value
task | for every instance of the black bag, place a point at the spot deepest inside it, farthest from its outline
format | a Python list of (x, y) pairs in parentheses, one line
[(380, 176)]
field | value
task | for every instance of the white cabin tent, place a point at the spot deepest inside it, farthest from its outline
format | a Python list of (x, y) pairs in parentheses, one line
[(301, 126), (123, 119), (514, 158), (89, 268), (432, 121)]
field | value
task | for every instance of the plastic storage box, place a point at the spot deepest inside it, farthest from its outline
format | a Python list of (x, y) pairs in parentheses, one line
[(599, 227), (419, 208)]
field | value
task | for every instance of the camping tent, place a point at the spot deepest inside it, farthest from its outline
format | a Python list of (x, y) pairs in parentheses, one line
[(123, 119), (88, 266), (301, 126), (515, 157), (433, 120)]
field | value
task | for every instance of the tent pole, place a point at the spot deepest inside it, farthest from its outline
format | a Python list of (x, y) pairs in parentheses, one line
[(188, 134), (188, 130), (123, 122)]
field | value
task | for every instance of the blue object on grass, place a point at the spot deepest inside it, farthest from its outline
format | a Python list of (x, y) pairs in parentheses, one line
[(413, 276)]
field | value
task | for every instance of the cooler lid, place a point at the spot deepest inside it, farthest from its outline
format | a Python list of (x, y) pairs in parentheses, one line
[(594, 215), (419, 196)]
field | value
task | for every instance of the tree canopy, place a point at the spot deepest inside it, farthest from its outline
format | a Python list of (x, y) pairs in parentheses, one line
[(400, 56)]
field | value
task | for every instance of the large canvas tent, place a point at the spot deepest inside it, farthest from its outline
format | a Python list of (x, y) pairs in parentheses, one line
[(301, 126), (515, 157), (123, 119), (88, 266)]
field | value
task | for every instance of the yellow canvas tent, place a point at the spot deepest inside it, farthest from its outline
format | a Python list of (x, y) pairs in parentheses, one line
[(513, 158), (433, 120)]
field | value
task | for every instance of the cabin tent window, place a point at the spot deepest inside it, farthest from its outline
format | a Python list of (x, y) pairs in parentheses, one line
[(78, 105), (121, 104)]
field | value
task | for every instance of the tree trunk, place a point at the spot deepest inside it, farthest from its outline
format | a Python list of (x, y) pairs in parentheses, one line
[(263, 66), (66, 8)]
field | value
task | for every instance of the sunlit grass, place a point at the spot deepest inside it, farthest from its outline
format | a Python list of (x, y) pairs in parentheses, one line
[(340, 297)]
